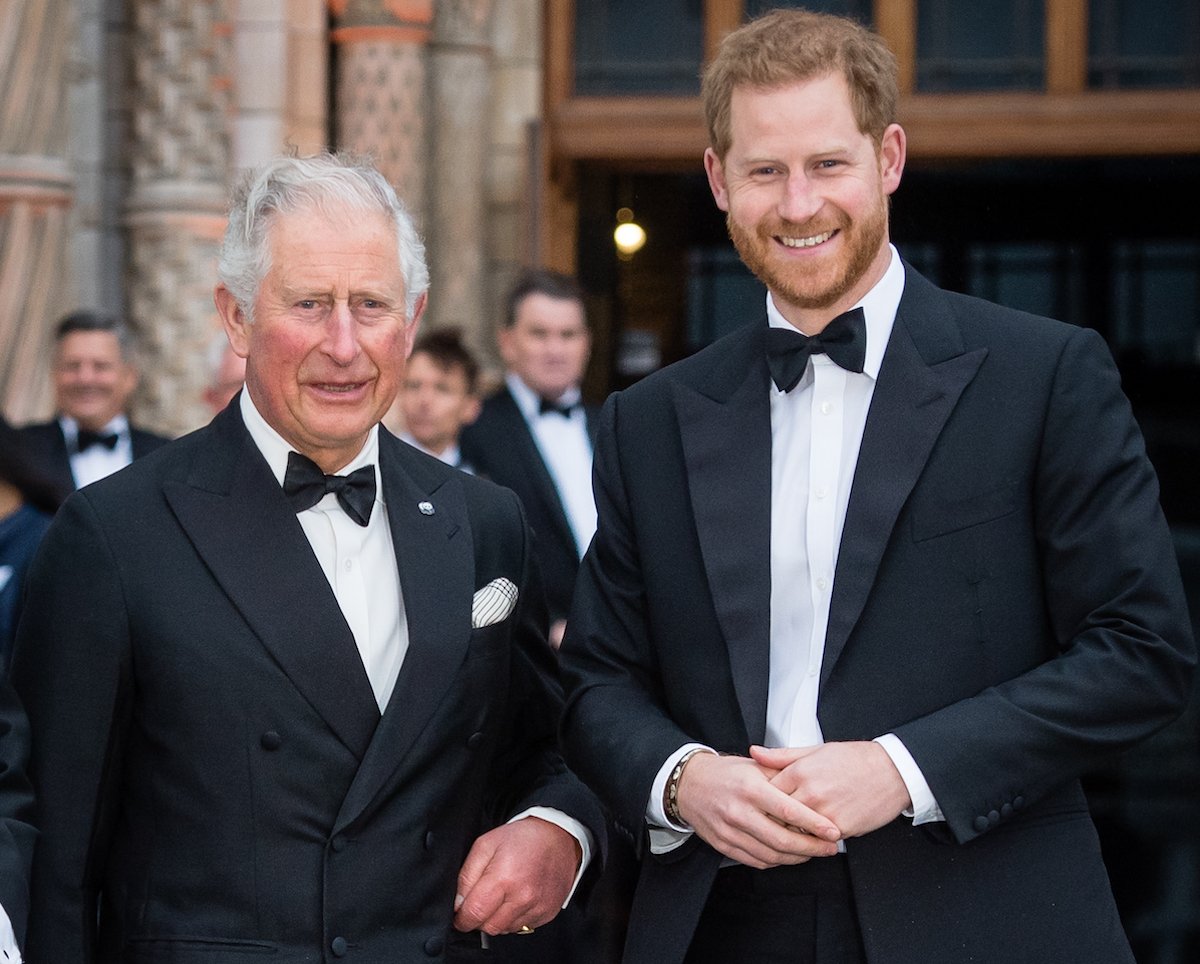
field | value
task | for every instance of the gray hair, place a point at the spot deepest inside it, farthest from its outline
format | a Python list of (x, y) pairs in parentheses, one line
[(326, 181)]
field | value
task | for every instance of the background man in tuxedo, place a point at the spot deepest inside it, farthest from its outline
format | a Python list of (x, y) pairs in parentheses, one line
[(919, 556), (535, 434), (17, 834), (226, 373), (440, 395), (94, 377), (287, 677)]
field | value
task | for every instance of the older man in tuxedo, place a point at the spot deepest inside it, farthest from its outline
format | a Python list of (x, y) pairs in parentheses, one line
[(94, 376), (895, 553), (288, 679)]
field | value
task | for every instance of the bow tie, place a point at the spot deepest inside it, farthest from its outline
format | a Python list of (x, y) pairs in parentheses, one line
[(305, 485), (559, 408), (86, 439), (844, 340)]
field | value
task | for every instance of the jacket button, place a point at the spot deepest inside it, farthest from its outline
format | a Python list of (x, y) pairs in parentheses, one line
[(338, 946), (474, 740), (271, 740), (338, 844), (434, 946), (981, 824), (429, 840)]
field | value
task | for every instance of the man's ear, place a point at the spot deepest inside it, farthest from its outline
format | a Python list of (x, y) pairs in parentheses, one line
[(715, 170), (471, 411), (411, 334), (892, 154), (233, 319)]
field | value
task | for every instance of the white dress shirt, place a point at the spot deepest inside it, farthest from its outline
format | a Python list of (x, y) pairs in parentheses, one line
[(9, 952), (566, 449), (360, 564), (816, 433), (97, 462)]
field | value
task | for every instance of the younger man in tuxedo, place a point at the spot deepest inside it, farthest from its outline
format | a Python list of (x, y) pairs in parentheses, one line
[(288, 676), (534, 435), (440, 395), (877, 577), (94, 377)]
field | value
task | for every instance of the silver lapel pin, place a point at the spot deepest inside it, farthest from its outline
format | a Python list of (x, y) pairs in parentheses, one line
[(425, 507)]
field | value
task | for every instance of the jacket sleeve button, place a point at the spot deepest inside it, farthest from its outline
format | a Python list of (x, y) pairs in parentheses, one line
[(981, 824)]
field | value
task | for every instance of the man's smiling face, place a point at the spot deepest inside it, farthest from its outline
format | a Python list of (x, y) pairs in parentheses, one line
[(806, 195)]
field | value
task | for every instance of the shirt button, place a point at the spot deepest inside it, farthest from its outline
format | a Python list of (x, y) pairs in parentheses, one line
[(349, 564), (822, 492), (822, 584), (826, 408)]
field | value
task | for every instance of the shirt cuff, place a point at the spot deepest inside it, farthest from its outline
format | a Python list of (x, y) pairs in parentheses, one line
[(9, 952), (925, 808), (665, 833), (571, 826)]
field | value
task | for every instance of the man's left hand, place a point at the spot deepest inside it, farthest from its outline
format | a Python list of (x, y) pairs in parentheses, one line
[(854, 784), (515, 876)]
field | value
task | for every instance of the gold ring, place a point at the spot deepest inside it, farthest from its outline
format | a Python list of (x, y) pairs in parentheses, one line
[(524, 929)]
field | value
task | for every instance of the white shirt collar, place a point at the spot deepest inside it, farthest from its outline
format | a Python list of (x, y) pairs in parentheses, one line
[(528, 400), (879, 307), (275, 450)]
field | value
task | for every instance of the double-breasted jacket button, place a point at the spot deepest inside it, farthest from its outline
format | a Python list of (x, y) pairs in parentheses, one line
[(434, 946), (338, 844), (474, 740), (339, 946), (271, 740)]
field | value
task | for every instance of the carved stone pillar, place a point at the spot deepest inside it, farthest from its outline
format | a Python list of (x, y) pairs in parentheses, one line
[(176, 208), (35, 192), (379, 88), (460, 98)]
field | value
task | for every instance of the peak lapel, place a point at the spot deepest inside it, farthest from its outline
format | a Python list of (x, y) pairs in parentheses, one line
[(925, 370), (435, 560), (236, 516), (725, 426)]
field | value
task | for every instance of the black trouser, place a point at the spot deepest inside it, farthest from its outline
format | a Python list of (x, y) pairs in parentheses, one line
[(785, 915)]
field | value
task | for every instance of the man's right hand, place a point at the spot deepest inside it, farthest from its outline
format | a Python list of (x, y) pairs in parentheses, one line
[(730, 803)]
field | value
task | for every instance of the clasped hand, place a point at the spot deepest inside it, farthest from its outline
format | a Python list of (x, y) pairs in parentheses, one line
[(786, 806)]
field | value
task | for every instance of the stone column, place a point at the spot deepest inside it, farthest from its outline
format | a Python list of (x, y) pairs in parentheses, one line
[(35, 193), (379, 88), (460, 101), (175, 212)]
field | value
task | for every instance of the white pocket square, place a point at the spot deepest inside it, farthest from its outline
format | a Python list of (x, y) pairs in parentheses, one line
[(493, 603)]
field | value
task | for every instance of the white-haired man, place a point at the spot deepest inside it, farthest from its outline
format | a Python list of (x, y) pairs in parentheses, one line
[(301, 704)]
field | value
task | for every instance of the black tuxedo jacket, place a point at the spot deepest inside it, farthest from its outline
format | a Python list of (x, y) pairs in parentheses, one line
[(501, 447), (209, 758), (48, 448), (1006, 601), (17, 834)]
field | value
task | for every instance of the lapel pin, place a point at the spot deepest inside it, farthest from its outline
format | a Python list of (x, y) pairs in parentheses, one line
[(425, 507)]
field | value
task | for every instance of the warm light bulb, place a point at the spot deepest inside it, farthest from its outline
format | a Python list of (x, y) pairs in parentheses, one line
[(629, 237)]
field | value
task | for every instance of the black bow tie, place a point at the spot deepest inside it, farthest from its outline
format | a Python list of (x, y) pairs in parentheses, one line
[(844, 340), (86, 439), (559, 408), (305, 485)]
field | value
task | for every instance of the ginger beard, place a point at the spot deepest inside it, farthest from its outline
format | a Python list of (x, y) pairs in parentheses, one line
[(815, 283)]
